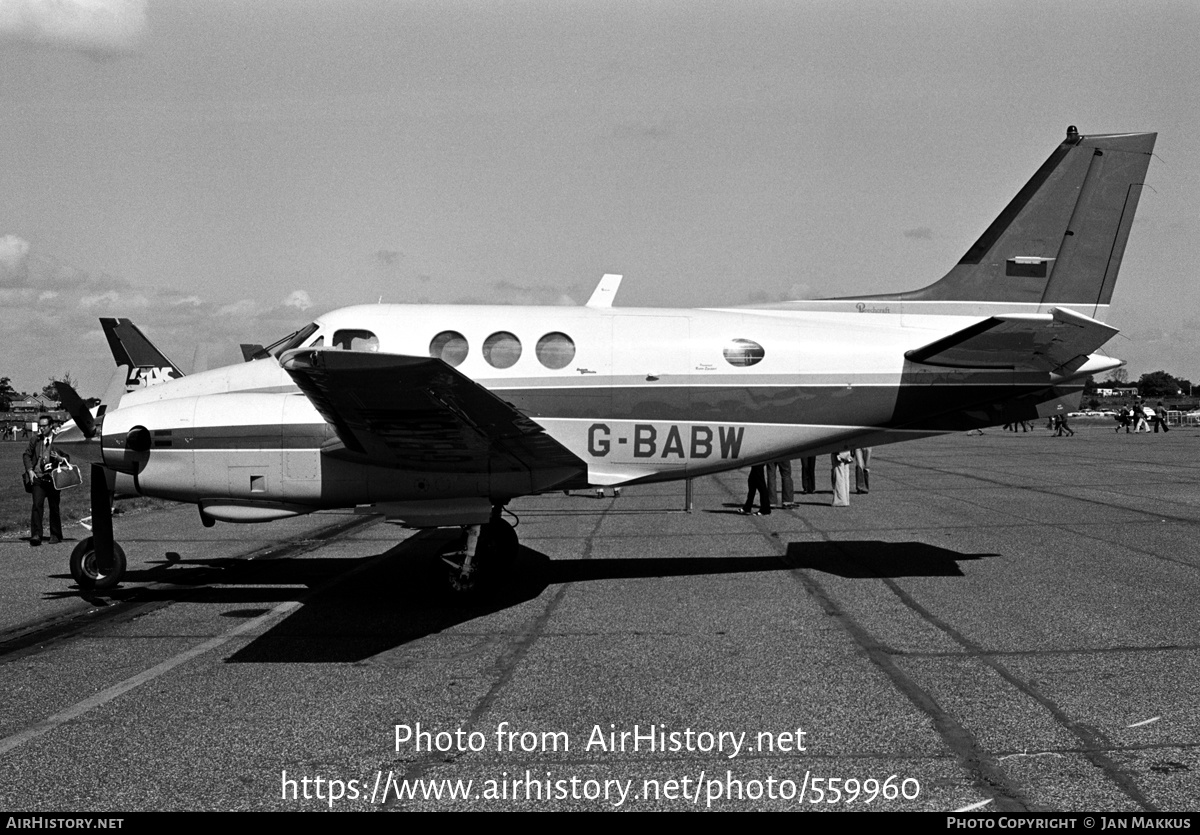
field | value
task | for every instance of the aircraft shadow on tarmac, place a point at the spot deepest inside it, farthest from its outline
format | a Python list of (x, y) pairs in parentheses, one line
[(867, 559), (376, 604)]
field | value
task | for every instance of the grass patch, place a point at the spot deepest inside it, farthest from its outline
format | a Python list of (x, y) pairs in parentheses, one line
[(76, 503)]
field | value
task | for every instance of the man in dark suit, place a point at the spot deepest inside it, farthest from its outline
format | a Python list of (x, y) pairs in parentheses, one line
[(40, 458)]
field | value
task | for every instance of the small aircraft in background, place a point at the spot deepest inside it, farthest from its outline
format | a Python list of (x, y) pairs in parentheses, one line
[(440, 415)]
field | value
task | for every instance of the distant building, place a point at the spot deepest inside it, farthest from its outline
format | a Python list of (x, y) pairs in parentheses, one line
[(32, 405)]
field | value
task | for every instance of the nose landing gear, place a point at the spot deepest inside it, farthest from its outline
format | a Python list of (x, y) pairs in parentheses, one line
[(98, 562)]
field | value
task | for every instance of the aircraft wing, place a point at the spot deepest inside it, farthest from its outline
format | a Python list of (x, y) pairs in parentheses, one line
[(1059, 341), (419, 413)]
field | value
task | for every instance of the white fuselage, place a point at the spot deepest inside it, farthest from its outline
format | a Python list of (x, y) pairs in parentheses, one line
[(638, 394)]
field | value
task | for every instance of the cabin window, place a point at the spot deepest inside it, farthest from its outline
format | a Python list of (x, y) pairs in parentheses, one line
[(450, 347), (502, 349), (743, 352), (555, 350), (349, 340)]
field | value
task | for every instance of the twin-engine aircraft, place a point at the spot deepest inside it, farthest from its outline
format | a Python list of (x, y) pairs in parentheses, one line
[(440, 415)]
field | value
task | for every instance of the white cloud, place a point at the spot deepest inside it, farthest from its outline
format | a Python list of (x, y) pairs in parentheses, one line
[(298, 299), (104, 27), (13, 267), (243, 307), (109, 299)]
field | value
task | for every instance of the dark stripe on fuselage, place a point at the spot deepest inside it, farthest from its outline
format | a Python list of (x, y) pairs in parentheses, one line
[(911, 406), (254, 436)]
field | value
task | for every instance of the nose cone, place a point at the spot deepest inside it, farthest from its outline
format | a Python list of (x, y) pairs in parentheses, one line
[(82, 449)]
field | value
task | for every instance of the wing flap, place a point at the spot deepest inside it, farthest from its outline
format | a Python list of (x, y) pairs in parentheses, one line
[(419, 413), (1059, 341)]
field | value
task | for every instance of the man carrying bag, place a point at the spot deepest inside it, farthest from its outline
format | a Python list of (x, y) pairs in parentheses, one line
[(40, 459)]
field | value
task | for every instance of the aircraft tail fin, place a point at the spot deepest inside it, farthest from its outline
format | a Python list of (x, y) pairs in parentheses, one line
[(147, 366), (1061, 239)]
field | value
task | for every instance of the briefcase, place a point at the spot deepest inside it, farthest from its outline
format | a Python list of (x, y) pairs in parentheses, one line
[(65, 475)]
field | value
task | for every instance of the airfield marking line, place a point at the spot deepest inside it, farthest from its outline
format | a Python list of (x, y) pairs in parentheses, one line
[(108, 694), (30, 636), (1143, 722), (104, 696)]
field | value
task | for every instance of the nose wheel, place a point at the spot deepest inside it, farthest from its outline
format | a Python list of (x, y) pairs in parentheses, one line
[(98, 562), (92, 573)]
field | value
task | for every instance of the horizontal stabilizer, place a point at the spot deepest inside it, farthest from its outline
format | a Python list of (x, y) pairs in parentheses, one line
[(1059, 341), (418, 413)]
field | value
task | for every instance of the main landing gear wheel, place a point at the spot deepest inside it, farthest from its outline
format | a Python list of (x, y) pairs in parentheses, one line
[(498, 544), (488, 550), (86, 568)]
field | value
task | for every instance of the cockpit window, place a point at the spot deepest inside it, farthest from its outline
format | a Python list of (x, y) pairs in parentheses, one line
[(292, 340), (354, 340)]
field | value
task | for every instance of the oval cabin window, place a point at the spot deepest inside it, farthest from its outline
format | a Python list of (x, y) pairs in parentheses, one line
[(501, 350), (555, 350), (743, 352), (450, 347)]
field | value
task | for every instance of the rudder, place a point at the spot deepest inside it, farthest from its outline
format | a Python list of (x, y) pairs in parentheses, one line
[(1062, 238)]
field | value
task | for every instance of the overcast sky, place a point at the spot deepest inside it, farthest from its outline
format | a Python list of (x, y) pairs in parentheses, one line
[(222, 172)]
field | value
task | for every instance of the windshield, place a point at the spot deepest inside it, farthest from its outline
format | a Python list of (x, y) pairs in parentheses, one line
[(292, 340)]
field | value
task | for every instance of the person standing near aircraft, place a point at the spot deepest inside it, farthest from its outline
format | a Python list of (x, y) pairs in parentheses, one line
[(1160, 418), (1139, 418), (840, 463), (757, 483), (40, 458), (862, 469), (788, 491), (808, 474)]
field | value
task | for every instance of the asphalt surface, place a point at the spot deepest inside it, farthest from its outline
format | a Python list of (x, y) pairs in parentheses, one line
[(1006, 620)]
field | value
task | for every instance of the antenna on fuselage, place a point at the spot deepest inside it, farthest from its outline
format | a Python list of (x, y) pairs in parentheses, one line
[(605, 291)]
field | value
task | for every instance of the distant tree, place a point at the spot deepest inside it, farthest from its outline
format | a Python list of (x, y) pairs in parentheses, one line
[(1158, 384), (51, 389), (7, 394), (1089, 386), (1118, 376)]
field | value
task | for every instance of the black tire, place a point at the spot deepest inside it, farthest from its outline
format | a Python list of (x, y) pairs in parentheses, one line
[(87, 574)]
